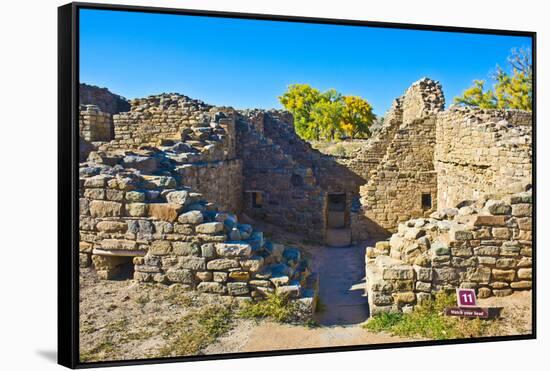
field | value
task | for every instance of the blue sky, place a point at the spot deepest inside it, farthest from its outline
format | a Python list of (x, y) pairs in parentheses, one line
[(248, 63)]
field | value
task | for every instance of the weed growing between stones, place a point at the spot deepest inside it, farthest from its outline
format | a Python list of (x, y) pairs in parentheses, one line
[(428, 321), (276, 307)]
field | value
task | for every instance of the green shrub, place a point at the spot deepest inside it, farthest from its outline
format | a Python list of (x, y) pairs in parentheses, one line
[(428, 321), (277, 307), (193, 332)]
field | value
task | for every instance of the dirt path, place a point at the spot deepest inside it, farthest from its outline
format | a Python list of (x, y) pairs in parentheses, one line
[(274, 336), (345, 308), (342, 285)]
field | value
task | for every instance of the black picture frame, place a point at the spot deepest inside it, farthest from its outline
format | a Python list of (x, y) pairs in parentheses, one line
[(68, 183)]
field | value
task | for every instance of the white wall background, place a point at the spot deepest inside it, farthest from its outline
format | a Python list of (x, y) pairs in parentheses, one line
[(28, 83)]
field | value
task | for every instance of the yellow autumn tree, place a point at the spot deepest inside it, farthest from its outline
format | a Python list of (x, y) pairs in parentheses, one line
[(357, 117)]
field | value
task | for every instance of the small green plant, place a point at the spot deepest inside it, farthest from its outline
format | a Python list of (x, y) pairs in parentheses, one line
[(98, 352), (428, 321), (193, 332), (277, 307)]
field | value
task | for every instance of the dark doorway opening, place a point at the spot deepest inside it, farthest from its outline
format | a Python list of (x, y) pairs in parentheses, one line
[(426, 201), (338, 231), (336, 210)]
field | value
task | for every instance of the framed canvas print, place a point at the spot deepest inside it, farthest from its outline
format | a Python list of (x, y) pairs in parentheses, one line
[(238, 185)]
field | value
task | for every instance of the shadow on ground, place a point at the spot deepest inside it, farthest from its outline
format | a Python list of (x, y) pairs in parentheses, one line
[(342, 285)]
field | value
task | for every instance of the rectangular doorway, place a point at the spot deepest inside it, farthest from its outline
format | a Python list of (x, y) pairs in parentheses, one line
[(336, 213)]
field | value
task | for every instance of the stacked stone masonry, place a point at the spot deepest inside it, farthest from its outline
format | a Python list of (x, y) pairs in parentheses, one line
[(172, 235), (404, 182), (483, 244), (481, 152), (163, 184)]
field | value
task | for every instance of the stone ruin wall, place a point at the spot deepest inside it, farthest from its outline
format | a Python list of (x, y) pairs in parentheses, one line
[(481, 152), (102, 98), (480, 237), (95, 125), (290, 195), (293, 178), (485, 245), (405, 173), (171, 235), (160, 121)]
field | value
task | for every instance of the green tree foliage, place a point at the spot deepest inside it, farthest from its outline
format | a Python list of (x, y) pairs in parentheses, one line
[(510, 90), (327, 115)]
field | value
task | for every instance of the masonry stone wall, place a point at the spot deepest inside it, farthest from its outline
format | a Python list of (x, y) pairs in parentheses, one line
[(95, 125), (277, 188), (195, 142), (404, 183), (483, 244), (481, 152), (171, 235)]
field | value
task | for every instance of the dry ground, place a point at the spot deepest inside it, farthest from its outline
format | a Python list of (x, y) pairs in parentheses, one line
[(129, 320), (126, 320)]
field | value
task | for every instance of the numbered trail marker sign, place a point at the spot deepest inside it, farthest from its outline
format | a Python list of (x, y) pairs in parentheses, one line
[(466, 298)]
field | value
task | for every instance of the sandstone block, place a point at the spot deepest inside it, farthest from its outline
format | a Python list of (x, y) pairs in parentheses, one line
[(491, 220), (222, 264), (220, 276), (85, 247), (237, 288), (101, 209), (292, 290), (160, 248), (111, 226), (521, 210), (233, 249), (209, 228), (501, 233), (522, 285), (184, 229), (504, 263), (379, 298), (445, 275), (423, 286), (136, 209), (116, 244), (204, 276), (484, 292), (165, 212), (208, 250), (398, 273), (95, 193), (239, 275), (180, 275), (507, 275), (191, 217), (487, 250), (497, 207), (404, 297), (510, 248), (254, 264), (177, 197), (480, 274), (185, 248), (192, 262), (525, 273), (135, 196)]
